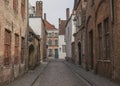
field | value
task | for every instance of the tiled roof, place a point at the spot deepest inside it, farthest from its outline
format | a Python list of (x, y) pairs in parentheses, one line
[(49, 26), (62, 27)]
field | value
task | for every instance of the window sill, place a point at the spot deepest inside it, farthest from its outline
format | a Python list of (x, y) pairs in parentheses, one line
[(105, 61)]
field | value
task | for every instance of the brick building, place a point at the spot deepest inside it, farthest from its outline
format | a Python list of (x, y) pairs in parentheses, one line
[(37, 23), (13, 39), (102, 23), (97, 36), (80, 34)]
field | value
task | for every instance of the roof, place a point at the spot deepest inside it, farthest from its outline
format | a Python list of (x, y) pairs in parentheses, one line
[(49, 26), (62, 27), (76, 3), (31, 31)]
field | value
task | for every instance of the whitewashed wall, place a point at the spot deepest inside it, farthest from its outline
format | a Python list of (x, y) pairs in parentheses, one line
[(35, 24), (70, 30), (62, 54)]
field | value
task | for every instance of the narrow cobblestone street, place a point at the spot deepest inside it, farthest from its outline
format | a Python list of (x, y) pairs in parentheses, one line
[(60, 43), (58, 74)]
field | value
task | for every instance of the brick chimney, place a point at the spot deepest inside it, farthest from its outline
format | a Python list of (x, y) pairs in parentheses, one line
[(59, 20), (39, 8), (67, 13), (44, 16)]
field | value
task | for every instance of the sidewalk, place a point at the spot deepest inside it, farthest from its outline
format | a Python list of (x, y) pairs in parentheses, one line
[(91, 78), (29, 78)]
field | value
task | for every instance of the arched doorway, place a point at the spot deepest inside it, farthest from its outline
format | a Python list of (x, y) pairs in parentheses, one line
[(31, 56), (79, 53)]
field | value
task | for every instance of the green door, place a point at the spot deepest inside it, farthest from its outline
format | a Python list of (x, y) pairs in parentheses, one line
[(56, 53)]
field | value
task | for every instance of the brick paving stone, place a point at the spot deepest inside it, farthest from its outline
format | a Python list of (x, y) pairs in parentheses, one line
[(58, 74)]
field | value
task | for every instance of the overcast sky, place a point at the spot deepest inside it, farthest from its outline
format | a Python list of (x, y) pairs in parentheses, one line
[(55, 9)]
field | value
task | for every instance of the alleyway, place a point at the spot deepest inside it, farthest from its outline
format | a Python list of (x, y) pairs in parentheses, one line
[(58, 74)]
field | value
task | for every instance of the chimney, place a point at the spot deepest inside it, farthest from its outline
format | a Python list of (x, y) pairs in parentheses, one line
[(67, 13), (44, 16), (59, 21), (39, 8)]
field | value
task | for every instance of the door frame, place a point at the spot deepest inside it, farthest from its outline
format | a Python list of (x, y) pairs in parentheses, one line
[(79, 53)]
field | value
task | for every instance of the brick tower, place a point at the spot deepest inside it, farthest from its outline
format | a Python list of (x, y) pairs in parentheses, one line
[(39, 8)]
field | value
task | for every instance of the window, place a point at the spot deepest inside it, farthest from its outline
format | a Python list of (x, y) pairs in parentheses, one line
[(16, 58), (23, 8), (56, 42), (100, 40), (107, 38), (63, 48), (15, 5), (7, 49), (30, 15), (56, 34), (49, 34), (50, 42), (50, 52), (22, 50)]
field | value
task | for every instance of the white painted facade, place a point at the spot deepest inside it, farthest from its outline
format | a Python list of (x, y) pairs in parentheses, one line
[(35, 24), (69, 38), (31, 10), (62, 47)]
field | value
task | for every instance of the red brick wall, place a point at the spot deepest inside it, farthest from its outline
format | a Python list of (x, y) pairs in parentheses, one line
[(116, 40), (96, 14)]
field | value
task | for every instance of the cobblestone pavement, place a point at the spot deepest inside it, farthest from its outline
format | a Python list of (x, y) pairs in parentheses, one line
[(58, 74), (29, 78)]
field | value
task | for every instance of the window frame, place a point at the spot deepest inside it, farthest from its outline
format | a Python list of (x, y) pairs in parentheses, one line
[(7, 47), (100, 40), (107, 38)]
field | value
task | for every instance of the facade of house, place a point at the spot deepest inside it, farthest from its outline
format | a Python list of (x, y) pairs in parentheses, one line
[(13, 39), (62, 44), (34, 49), (51, 40), (96, 37), (103, 22), (36, 22), (80, 34), (69, 31)]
